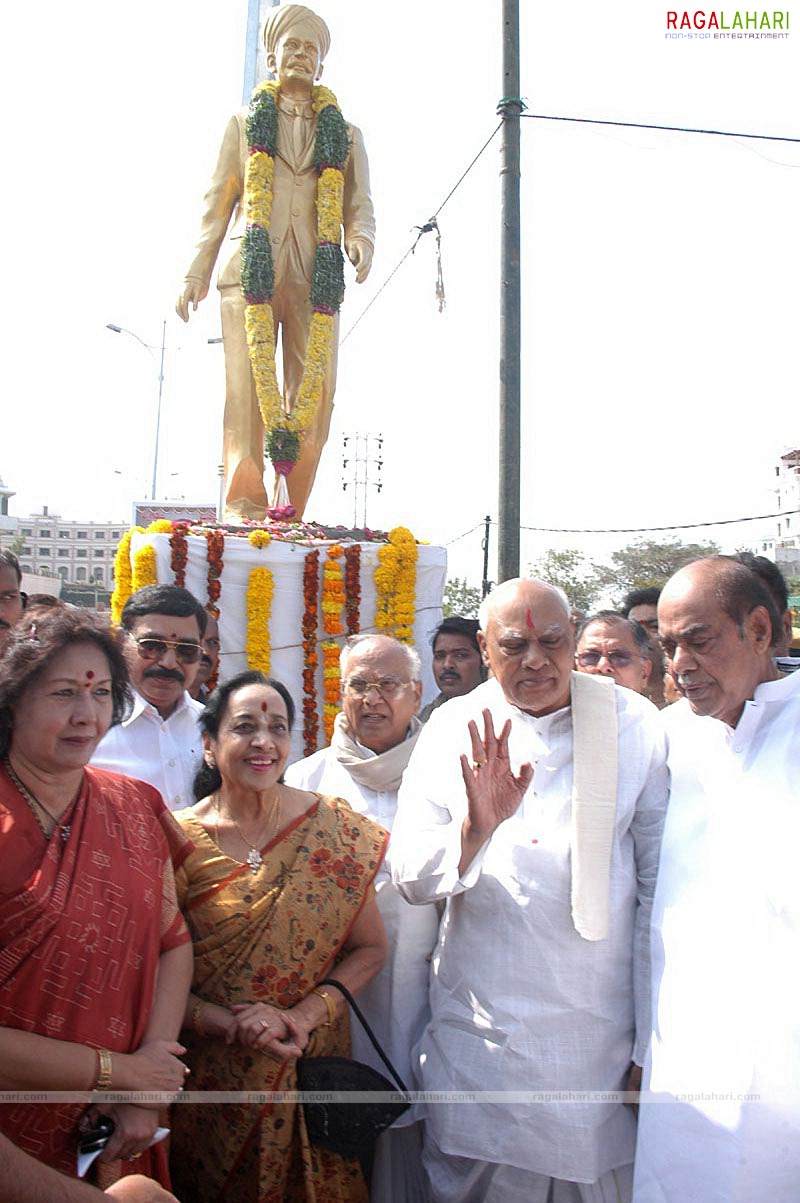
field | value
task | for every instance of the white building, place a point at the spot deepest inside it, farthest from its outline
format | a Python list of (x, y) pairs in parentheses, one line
[(77, 552), (784, 549)]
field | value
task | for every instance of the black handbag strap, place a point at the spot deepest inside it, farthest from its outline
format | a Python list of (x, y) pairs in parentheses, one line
[(331, 981)]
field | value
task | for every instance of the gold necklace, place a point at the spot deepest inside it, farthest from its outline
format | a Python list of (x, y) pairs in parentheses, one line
[(33, 802), (254, 857)]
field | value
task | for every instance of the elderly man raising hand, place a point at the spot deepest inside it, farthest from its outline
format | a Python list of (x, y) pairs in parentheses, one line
[(533, 806), (373, 739)]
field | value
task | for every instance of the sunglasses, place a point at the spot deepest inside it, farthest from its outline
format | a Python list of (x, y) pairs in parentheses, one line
[(615, 659), (154, 649)]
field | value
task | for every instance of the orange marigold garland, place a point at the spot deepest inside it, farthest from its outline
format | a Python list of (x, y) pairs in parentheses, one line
[(395, 584), (333, 600), (215, 541), (179, 552), (310, 657), (352, 588)]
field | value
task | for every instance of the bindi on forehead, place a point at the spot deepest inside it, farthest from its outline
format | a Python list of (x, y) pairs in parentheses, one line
[(264, 707)]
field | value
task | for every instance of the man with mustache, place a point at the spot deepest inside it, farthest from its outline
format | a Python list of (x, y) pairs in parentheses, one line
[(160, 740), (11, 598), (532, 808), (457, 664), (721, 1118)]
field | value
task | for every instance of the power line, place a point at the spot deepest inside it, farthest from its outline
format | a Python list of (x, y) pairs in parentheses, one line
[(425, 228), (628, 530), (673, 129)]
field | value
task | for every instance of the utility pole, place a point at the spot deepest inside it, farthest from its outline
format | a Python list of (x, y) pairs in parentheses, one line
[(510, 108), (366, 452)]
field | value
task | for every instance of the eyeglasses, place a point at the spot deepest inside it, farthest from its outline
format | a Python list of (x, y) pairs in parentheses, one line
[(615, 659), (154, 649), (387, 687)]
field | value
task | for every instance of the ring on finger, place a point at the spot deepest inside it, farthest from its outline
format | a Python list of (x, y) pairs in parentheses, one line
[(478, 764), (265, 1024)]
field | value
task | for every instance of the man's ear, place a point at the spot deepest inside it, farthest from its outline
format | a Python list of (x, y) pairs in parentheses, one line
[(272, 62), (483, 649), (320, 69), (759, 626)]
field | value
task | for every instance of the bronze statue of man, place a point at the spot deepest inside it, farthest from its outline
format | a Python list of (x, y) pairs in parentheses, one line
[(296, 42)]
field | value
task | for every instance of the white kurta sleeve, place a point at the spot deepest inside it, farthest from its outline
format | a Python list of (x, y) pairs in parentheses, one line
[(647, 828), (432, 805)]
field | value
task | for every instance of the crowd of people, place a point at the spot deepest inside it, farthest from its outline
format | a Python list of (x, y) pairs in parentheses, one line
[(555, 891)]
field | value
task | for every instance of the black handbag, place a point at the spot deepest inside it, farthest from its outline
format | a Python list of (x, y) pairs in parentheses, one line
[(349, 1128)]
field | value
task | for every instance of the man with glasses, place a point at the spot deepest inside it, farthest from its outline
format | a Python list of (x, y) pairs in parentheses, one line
[(160, 740), (373, 739), (612, 646)]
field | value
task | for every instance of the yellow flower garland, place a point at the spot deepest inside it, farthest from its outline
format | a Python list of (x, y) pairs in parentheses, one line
[(331, 676), (259, 319), (395, 582), (144, 568), (259, 538), (260, 588), (123, 579)]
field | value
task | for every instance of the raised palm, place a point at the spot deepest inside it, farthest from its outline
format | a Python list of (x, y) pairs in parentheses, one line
[(494, 791)]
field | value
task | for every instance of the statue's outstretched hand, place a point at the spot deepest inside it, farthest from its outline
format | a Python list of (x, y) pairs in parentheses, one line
[(194, 292), (494, 792), (359, 252)]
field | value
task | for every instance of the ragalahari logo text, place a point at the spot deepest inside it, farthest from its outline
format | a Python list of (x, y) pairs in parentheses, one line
[(722, 24)]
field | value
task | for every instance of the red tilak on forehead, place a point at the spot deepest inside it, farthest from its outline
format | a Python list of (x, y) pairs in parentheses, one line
[(89, 675), (264, 707), (529, 620)]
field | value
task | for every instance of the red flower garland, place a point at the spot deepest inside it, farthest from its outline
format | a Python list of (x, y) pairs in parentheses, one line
[(352, 587), (179, 553), (216, 545), (310, 655)]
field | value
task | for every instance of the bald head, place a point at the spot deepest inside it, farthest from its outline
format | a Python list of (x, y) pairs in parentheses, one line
[(527, 639), (717, 623)]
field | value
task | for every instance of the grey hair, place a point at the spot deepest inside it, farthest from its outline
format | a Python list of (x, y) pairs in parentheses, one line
[(356, 641), (490, 601)]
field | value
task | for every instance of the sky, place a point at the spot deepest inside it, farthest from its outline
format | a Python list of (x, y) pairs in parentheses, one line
[(659, 312)]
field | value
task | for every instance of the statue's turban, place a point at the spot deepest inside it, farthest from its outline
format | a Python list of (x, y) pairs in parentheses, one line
[(284, 17)]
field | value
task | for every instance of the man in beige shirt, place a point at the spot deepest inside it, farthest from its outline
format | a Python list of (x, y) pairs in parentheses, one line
[(296, 41)]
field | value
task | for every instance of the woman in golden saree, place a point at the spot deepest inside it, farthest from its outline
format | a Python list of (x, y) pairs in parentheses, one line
[(277, 896)]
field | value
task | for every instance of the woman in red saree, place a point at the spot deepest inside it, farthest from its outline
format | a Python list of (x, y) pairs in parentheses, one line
[(94, 956), (277, 894)]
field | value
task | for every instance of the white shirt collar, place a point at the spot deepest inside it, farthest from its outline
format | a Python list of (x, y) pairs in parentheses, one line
[(142, 706)]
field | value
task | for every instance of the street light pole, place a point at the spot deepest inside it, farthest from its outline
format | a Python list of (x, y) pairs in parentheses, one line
[(150, 350)]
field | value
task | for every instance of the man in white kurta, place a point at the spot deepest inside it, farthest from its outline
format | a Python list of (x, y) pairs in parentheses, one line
[(373, 739), (520, 999), (720, 1122)]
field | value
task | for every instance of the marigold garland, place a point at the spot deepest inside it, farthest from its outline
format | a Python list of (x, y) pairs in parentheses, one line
[(333, 595), (215, 545), (259, 538), (161, 526), (331, 148), (144, 568), (310, 657), (179, 552), (123, 578), (395, 583), (352, 587), (331, 675), (260, 588)]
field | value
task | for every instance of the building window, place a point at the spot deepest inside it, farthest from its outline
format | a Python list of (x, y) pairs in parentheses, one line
[(83, 534), (44, 551), (26, 568), (81, 553), (45, 534), (99, 534), (26, 551), (63, 534), (99, 553), (80, 575), (26, 531), (62, 572), (63, 551), (116, 534), (98, 575)]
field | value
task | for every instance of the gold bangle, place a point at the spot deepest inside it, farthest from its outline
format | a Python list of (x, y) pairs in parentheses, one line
[(197, 1007), (329, 1003), (104, 1072)]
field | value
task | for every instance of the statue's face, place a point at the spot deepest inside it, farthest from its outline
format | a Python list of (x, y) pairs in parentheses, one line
[(297, 56)]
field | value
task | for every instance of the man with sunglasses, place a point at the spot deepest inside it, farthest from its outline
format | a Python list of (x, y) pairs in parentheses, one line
[(160, 740), (612, 646), (373, 739)]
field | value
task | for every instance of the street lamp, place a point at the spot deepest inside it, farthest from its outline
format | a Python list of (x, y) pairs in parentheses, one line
[(151, 351)]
